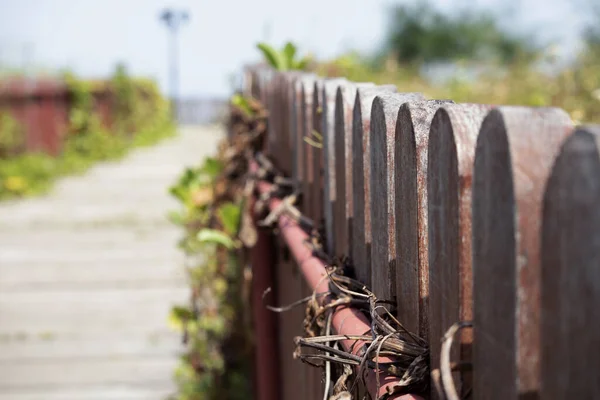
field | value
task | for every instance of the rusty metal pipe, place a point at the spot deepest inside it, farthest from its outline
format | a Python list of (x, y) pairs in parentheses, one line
[(346, 321)]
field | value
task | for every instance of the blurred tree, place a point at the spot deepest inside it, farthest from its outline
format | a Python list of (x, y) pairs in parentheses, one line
[(591, 32), (420, 33)]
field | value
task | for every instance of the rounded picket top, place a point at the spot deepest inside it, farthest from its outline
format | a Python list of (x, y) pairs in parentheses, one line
[(570, 292), (307, 95), (272, 101), (316, 134), (451, 152), (328, 97), (360, 252), (515, 151), (288, 123), (344, 98), (298, 124), (384, 114), (410, 211)]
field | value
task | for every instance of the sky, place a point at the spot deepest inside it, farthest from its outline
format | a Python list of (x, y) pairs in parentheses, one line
[(91, 36)]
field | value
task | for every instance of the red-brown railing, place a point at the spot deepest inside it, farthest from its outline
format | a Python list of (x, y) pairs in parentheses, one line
[(41, 107)]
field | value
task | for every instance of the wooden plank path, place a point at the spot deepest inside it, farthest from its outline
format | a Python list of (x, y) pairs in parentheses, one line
[(87, 277)]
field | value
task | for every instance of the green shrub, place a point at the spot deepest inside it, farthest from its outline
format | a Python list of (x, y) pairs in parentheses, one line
[(141, 117), (12, 135)]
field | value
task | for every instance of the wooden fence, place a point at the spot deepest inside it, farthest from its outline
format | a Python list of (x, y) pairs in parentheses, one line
[(41, 107), (455, 212)]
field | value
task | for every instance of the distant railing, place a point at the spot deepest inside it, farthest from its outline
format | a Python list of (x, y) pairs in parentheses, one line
[(455, 212), (200, 111), (41, 107)]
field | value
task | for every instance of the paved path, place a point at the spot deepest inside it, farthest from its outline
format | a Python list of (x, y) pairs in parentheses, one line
[(87, 277)]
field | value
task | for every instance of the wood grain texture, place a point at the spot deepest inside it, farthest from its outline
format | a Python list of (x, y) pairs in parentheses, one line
[(342, 221), (384, 114), (410, 212), (298, 126), (276, 107), (264, 82), (307, 152), (288, 128), (317, 157), (570, 292), (361, 180), (328, 93), (515, 151), (451, 151), (342, 207)]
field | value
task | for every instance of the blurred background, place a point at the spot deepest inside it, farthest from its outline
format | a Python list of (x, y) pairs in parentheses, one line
[(88, 273), (443, 43)]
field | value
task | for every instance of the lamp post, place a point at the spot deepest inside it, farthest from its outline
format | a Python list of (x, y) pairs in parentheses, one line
[(174, 19)]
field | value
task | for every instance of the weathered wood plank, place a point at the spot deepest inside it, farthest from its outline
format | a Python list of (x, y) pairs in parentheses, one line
[(361, 179), (143, 391), (451, 151), (410, 192), (317, 157), (73, 372), (289, 124), (570, 292), (328, 95), (307, 152), (384, 115), (39, 312), (342, 208), (299, 126), (515, 151), (46, 347), (275, 119)]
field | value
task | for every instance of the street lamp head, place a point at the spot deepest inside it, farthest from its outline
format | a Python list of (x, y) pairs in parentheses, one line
[(173, 18)]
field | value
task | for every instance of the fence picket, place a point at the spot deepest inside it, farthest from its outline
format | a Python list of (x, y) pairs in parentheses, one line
[(384, 114), (307, 153), (570, 288), (361, 179), (451, 150), (410, 192), (327, 101), (298, 127), (514, 153)]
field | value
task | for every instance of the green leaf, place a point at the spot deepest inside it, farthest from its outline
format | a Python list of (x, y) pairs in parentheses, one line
[(242, 103), (229, 214), (212, 167), (214, 236), (272, 56), (176, 217), (182, 313), (289, 52), (301, 64)]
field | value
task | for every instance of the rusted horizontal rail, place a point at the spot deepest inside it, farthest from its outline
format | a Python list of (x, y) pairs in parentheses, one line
[(345, 321)]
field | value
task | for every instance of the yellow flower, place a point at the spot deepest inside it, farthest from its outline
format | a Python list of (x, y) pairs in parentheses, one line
[(15, 184)]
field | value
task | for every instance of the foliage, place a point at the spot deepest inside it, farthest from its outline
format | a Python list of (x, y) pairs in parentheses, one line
[(421, 34), (12, 136), (243, 104), (540, 81), (215, 217), (216, 363), (141, 118), (284, 59)]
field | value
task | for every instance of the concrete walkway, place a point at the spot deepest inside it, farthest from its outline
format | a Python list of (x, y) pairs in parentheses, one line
[(87, 278)]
